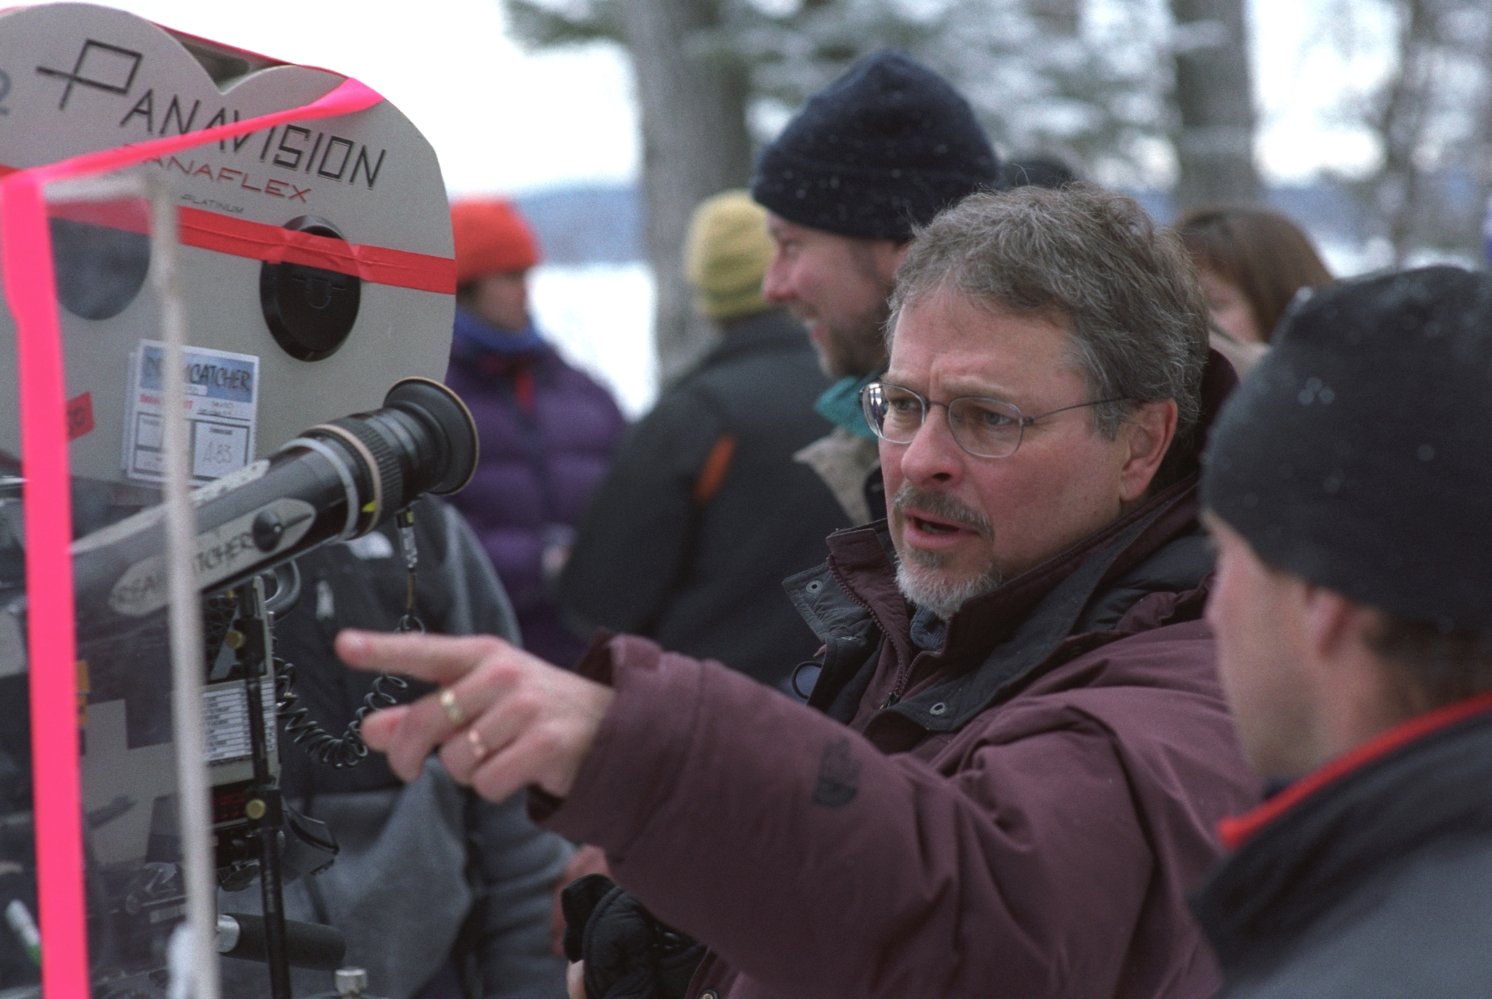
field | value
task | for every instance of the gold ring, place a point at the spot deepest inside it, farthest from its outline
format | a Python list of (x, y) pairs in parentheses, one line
[(452, 709), (478, 747)]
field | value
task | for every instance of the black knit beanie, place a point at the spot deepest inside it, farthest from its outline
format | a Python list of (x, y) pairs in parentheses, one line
[(886, 146), (1357, 454)]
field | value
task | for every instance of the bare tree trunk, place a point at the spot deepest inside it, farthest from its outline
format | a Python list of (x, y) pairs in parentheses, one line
[(1214, 138), (1480, 234), (1057, 17), (1432, 120), (1399, 122), (693, 99)]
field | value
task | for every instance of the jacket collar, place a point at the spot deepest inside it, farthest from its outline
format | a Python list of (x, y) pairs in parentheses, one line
[(1237, 831), (1300, 854), (1008, 634), (759, 332), (840, 404), (474, 337), (1019, 627)]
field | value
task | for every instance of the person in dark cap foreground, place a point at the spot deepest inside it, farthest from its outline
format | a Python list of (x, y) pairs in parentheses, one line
[(1347, 488), (883, 148), (1007, 780)]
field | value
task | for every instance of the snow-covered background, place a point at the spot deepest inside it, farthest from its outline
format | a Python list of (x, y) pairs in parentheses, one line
[(600, 317)]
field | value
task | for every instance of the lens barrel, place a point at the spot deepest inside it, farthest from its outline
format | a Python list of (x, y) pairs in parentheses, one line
[(336, 480)]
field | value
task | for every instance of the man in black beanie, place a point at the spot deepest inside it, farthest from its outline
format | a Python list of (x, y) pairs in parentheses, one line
[(882, 149), (1347, 489)]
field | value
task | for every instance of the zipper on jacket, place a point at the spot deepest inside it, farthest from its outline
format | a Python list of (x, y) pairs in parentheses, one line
[(903, 671), (903, 679), (899, 687)]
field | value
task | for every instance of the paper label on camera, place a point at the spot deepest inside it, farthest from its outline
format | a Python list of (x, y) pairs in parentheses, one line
[(221, 411)]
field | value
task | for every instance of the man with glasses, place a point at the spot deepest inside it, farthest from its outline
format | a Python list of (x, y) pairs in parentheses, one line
[(1020, 746)]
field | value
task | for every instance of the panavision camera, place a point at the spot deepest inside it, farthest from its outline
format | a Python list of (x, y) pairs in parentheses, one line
[(276, 351)]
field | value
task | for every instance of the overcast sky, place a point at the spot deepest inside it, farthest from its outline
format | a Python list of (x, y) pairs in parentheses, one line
[(499, 120), (504, 121)]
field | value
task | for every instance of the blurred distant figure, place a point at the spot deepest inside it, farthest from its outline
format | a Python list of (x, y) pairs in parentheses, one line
[(1252, 261), (1041, 169), (547, 431), (705, 512)]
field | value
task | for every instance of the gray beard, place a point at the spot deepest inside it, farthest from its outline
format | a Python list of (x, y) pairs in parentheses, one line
[(940, 596), (917, 573)]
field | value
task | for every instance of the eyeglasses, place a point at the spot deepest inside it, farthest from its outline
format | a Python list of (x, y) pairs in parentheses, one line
[(984, 427)]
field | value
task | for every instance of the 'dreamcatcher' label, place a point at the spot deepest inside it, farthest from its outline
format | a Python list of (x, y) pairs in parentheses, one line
[(222, 553)]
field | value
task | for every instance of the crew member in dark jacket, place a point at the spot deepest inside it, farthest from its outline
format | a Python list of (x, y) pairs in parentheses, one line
[(685, 540), (1021, 749), (439, 894), (547, 430), (1353, 607)]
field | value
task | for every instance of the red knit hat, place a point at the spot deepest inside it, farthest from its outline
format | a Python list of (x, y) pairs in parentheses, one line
[(491, 238)]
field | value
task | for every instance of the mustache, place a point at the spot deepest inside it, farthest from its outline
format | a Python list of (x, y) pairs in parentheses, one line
[(940, 505)]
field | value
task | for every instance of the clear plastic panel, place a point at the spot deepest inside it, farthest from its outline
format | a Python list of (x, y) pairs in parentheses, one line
[(141, 848), (316, 285)]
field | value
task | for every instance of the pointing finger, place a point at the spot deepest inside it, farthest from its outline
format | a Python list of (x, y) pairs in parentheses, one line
[(440, 659)]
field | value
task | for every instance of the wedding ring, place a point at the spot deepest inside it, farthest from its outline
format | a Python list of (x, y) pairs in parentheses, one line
[(478, 747), (453, 710)]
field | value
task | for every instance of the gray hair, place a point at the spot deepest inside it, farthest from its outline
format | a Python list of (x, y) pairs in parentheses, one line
[(1095, 262)]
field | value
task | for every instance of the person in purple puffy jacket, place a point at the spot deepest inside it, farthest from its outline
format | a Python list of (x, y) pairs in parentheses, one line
[(547, 430)]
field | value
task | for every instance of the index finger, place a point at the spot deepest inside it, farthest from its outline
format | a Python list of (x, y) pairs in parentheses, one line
[(440, 659)]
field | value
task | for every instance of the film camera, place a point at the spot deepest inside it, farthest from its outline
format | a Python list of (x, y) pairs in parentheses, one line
[(309, 286)]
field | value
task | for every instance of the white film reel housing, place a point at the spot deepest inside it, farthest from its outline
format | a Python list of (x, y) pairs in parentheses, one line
[(273, 348)]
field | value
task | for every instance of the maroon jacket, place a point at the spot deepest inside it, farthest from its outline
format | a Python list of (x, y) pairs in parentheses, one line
[(1026, 819), (1022, 811)]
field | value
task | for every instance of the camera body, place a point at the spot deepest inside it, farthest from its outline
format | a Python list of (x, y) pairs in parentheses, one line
[(312, 268)]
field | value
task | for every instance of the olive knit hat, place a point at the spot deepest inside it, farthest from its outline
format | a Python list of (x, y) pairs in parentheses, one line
[(1355, 453), (883, 148), (726, 253)]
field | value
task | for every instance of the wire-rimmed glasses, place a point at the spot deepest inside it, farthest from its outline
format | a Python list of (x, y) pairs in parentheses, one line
[(982, 426)]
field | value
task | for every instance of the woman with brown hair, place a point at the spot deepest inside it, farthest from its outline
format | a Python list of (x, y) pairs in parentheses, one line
[(1252, 262)]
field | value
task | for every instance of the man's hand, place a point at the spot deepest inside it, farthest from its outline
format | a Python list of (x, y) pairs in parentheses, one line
[(502, 720)]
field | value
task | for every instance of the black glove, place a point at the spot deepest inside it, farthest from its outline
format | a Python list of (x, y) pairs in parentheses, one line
[(628, 954)]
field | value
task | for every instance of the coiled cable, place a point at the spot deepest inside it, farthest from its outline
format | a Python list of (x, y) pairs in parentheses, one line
[(339, 752)]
